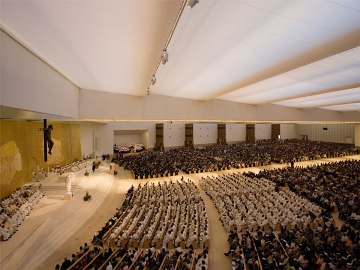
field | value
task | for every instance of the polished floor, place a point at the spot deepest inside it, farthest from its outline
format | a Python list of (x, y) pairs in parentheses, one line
[(57, 228)]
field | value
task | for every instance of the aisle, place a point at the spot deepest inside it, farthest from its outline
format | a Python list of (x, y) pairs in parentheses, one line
[(56, 221), (218, 236)]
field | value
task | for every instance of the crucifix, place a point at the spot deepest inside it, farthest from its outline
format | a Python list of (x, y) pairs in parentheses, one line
[(48, 142)]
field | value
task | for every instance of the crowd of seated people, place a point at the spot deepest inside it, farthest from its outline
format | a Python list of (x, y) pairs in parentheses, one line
[(245, 203), (97, 239), (71, 167), (84, 253), (270, 251), (285, 151), (39, 175), (310, 243), (257, 250), (251, 209), (150, 259), (331, 185), (221, 157), (324, 248), (157, 227), (14, 209), (168, 215), (149, 164)]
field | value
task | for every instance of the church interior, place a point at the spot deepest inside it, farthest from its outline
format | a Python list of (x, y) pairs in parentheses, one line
[(180, 134)]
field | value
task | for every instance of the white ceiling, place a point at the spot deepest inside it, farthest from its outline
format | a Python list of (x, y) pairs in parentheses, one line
[(297, 53)]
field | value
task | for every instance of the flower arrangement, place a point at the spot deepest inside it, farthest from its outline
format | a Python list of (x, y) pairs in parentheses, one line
[(87, 196)]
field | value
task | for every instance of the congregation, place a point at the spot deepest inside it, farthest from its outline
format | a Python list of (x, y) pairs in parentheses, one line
[(332, 186), (74, 166), (14, 208), (246, 203), (163, 226), (221, 157), (308, 238)]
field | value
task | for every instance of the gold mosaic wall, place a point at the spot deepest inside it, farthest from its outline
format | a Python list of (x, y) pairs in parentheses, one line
[(22, 150)]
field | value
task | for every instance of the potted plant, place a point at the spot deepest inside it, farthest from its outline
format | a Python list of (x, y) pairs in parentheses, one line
[(87, 196)]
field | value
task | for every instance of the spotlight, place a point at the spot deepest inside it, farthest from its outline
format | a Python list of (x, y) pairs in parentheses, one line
[(164, 57), (153, 80), (192, 3)]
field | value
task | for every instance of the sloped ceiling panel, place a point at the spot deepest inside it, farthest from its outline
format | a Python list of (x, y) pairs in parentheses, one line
[(101, 45), (249, 51)]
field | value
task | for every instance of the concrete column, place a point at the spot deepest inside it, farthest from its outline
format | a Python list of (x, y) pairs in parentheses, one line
[(357, 134)]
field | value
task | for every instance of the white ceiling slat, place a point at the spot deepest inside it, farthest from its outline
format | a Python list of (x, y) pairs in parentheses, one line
[(236, 47), (101, 45), (334, 71), (343, 108), (248, 51), (326, 99)]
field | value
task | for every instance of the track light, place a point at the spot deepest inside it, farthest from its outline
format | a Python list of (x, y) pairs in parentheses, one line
[(153, 80), (192, 3), (164, 57)]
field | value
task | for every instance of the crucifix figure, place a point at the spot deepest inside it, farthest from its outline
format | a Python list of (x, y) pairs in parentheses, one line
[(50, 143)]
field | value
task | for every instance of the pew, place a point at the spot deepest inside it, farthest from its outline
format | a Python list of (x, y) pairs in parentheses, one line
[(164, 262), (79, 259), (107, 234), (178, 262), (277, 238), (193, 262), (103, 266), (94, 259), (118, 265), (257, 253), (132, 266)]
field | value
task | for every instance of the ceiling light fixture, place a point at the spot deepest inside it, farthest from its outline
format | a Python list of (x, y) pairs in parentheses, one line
[(192, 3), (164, 57), (153, 80)]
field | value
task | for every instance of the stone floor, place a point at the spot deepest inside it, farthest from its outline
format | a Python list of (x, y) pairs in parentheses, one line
[(56, 228)]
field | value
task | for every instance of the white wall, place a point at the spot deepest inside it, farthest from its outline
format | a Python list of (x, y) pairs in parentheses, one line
[(87, 139), (262, 131), (102, 105), (205, 133), (174, 134), (235, 133), (145, 138), (339, 133), (127, 139), (287, 131), (30, 84), (105, 134)]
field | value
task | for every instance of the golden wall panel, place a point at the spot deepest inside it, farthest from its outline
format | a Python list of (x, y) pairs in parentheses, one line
[(22, 150)]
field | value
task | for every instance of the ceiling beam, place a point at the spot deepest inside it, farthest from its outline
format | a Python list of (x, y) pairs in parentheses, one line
[(342, 103), (318, 92), (341, 44)]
